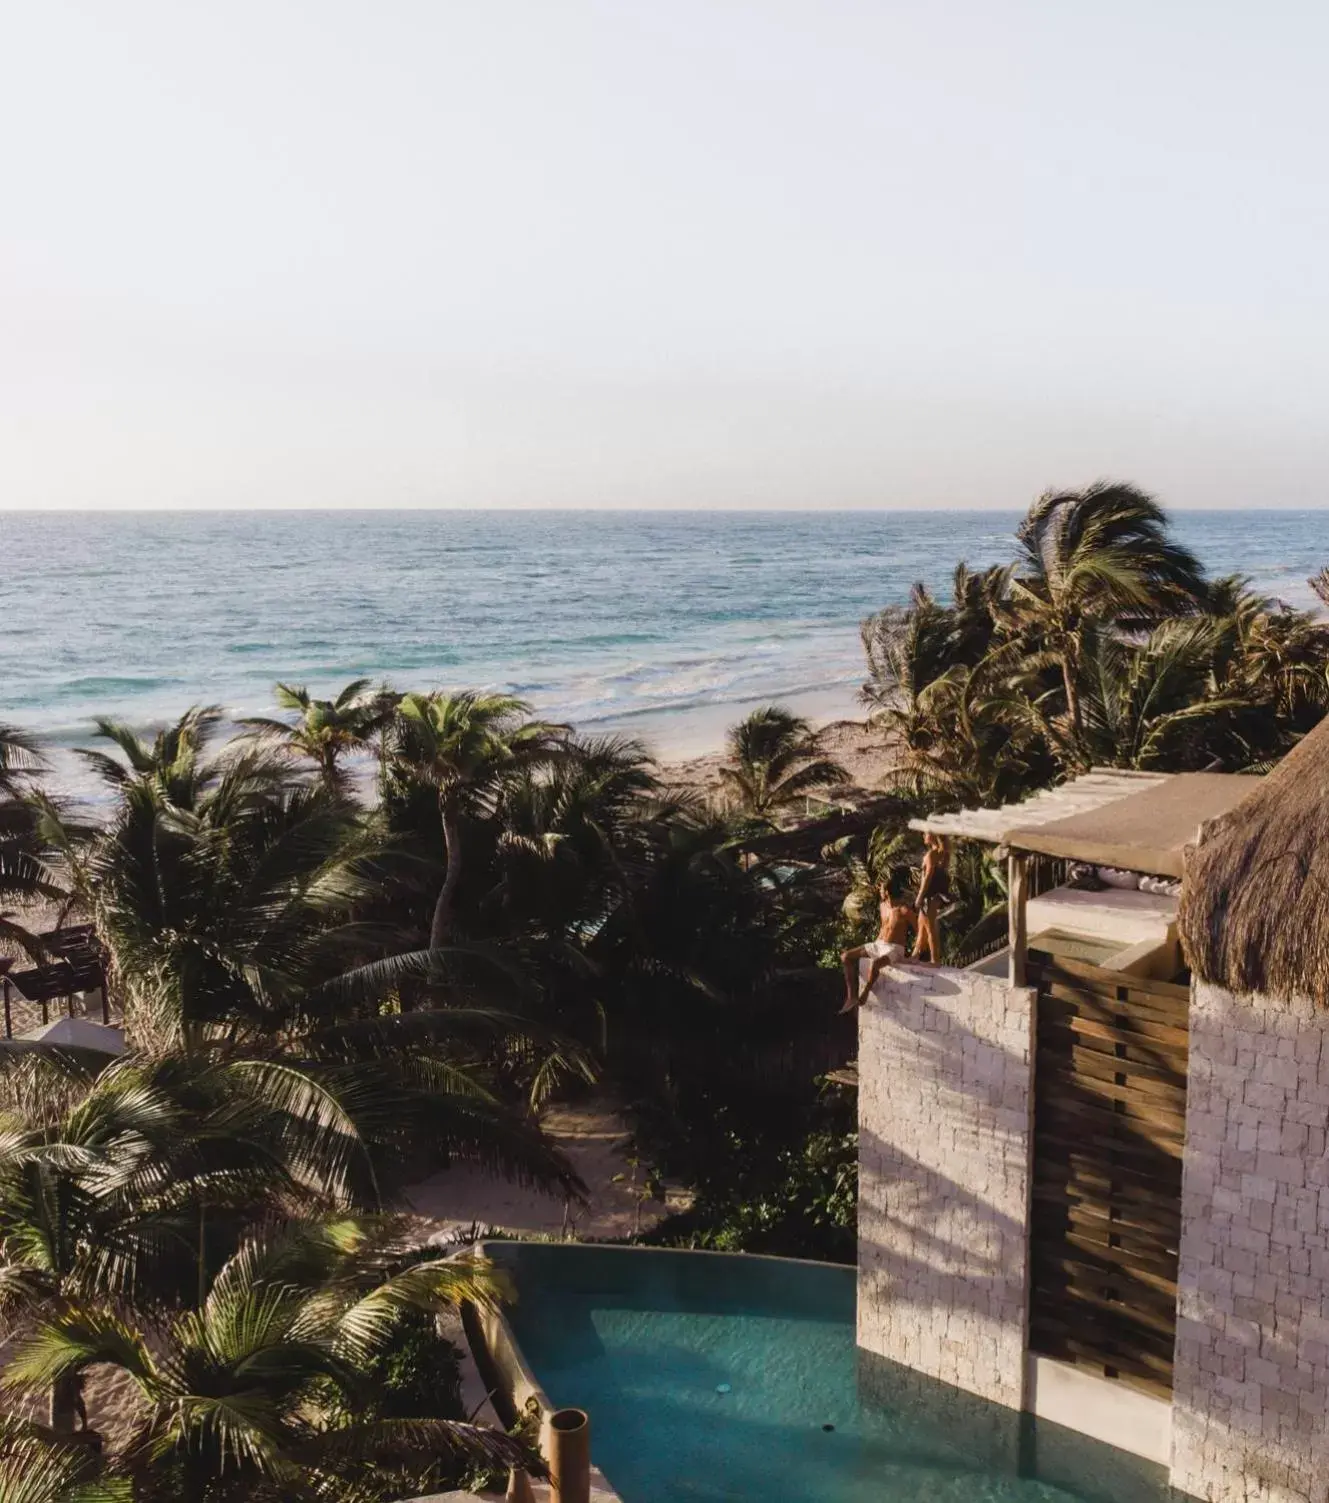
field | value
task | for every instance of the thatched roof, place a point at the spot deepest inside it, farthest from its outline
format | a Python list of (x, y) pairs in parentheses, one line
[(1255, 901)]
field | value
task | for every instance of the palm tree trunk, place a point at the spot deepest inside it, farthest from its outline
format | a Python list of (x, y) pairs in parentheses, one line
[(438, 930), (64, 1406), (202, 1253), (1069, 676)]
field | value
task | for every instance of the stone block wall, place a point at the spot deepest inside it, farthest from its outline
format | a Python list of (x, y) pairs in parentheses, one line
[(945, 1128), (1252, 1357)]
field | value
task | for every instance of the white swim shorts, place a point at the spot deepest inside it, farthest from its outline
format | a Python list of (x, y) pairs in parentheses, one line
[(880, 949)]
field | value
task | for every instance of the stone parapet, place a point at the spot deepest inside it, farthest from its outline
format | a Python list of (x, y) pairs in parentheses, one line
[(1252, 1357), (945, 1126)]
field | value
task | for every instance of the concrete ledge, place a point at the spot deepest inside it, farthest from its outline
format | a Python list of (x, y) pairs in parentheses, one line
[(1100, 1407), (513, 1386)]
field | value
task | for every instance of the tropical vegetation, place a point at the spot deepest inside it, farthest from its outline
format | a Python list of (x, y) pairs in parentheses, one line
[(375, 934)]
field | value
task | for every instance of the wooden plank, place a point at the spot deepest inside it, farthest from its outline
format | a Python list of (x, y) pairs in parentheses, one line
[(1083, 976), (1101, 1227), (1114, 1336), (1124, 1014), (1097, 1334), (1101, 1074), (1058, 1004), (1118, 1119), (1149, 1261), (1125, 1198), (1125, 1026), (1080, 970), (1058, 1008), (1127, 1298), (1126, 1351), (1155, 1167), (1141, 1219), (1109, 1009), (1061, 1039), (1166, 1084), (1124, 1191), (1082, 1303), (1138, 1346), (1100, 1266), (1128, 1127)]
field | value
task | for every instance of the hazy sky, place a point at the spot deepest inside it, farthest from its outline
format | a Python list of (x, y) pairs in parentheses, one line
[(677, 253)]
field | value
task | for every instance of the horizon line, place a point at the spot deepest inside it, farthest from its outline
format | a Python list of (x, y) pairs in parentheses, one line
[(325, 510)]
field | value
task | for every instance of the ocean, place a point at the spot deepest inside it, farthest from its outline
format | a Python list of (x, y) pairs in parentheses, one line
[(666, 625)]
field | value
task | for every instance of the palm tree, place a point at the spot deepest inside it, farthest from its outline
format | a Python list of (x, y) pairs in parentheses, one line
[(1153, 704), (225, 911), (570, 832), (911, 649), (1099, 555), (131, 1185), (464, 746), (232, 929), (246, 1396), (106, 1181), (967, 739), (37, 1466), (326, 729), (1320, 584), (1274, 658), (171, 765), (26, 876), (776, 761)]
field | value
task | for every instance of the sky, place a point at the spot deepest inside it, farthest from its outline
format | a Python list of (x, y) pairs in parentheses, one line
[(692, 253)]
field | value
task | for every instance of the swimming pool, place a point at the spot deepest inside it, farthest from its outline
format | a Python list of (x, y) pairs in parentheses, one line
[(714, 1377)]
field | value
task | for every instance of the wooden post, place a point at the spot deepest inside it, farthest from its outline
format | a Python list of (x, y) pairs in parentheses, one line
[(1017, 892)]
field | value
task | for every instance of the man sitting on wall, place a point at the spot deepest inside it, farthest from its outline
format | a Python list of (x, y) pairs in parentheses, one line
[(889, 948)]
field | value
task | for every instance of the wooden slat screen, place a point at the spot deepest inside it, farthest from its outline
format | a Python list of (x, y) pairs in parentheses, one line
[(1109, 1123)]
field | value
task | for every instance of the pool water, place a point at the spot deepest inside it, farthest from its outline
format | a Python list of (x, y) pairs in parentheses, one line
[(715, 1377)]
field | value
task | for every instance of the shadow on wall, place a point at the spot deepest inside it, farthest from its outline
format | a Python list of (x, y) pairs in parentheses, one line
[(934, 1204), (945, 1147), (944, 1126)]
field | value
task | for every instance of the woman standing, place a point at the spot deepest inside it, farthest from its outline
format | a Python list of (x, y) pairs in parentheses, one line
[(934, 894)]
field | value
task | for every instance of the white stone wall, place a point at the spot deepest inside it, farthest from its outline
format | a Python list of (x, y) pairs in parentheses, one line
[(1252, 1369), (945, 1126)]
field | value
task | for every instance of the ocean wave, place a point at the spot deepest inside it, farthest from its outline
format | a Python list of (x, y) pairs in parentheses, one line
[(591, 616), (108, 684)]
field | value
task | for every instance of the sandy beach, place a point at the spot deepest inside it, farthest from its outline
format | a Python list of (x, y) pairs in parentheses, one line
[(859, 748)]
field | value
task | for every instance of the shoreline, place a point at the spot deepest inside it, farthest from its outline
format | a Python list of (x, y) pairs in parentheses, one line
[(846, 737), (686, 745), (674, 736)]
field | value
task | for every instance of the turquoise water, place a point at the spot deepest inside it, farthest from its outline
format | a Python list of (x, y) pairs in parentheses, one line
[(604, 619), (714, 1377)]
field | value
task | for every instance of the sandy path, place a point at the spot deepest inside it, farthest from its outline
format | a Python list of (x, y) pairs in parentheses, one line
[(594, 1138)]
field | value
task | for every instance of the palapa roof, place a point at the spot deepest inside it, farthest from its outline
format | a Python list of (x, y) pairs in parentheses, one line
[(1142, 821), (1255, 908)]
